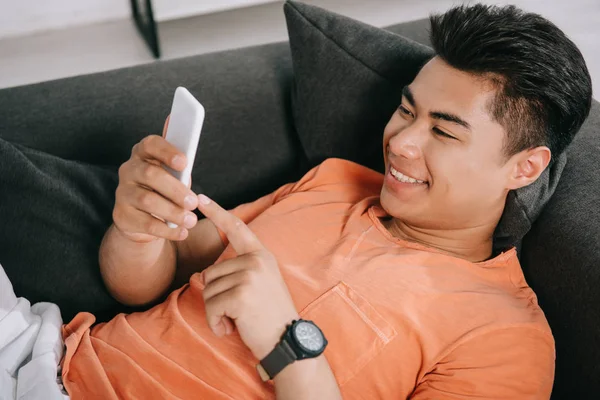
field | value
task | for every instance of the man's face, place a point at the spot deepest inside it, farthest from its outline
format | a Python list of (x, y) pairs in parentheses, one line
[(443, 136)]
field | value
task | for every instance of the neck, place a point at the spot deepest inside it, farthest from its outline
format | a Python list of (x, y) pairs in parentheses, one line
[(472, 243)]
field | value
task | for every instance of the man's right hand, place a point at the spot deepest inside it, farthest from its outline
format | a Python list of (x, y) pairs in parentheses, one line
[(148, 195)]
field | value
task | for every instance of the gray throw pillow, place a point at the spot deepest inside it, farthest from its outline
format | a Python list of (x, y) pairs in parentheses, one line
[(54, 213), (347, 82)]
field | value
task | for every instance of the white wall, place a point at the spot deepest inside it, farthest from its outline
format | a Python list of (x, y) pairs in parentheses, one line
[(20, 17), (172, 9)]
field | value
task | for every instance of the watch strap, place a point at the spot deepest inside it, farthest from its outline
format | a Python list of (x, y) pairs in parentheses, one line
[(281, 356)]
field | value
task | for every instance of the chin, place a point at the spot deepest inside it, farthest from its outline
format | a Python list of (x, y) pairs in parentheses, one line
[(407, 211), (389, 203)]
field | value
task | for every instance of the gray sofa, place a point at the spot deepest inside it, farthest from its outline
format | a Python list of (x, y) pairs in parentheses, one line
[(69, 137)]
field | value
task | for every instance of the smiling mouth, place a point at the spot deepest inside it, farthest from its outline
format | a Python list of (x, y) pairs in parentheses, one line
[(405, 178)]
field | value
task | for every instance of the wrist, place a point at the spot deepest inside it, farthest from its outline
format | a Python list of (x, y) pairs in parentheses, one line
[(302, 340), (137, 238), (310, 378), (306, 368), (275, 338)]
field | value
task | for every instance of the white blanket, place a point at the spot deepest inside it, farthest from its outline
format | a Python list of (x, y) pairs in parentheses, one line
[(31, 347)]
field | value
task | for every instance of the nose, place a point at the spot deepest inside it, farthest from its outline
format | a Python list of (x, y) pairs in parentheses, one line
[(407, 142)]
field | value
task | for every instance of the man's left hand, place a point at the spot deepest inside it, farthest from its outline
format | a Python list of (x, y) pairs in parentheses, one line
[(247, 291)]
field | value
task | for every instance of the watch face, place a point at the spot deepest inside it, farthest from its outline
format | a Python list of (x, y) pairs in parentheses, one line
[(309, 336)]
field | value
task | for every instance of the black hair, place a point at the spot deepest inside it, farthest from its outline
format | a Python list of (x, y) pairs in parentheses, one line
[(544, 89)]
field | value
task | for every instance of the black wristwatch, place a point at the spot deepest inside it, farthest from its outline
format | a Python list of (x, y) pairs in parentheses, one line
[(302, 339)]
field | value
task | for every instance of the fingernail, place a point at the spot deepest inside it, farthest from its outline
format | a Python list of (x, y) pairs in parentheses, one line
[(190, 201), (203, 199), (178, 161), (183, 234), (189, 221), (219, 329)]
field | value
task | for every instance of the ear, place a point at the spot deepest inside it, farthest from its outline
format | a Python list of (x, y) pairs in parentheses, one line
[(528, 165)]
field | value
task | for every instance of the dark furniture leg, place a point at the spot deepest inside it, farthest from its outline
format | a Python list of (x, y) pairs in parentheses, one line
[(143, 17)]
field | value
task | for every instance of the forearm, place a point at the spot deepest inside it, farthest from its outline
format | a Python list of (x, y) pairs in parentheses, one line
[(307, 379), (136, 273)]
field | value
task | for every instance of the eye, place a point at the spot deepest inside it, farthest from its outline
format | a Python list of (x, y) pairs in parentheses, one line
[(405, 110), (439, 132)]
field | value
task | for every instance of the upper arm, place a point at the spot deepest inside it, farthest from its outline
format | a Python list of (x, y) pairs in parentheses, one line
[(513, 363)]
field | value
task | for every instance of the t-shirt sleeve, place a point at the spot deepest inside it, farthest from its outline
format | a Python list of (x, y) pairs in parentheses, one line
[(249, 211), (514, 363), (323, 177)]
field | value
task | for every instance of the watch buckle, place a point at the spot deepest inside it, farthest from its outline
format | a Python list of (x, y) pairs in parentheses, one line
[(262, 373)]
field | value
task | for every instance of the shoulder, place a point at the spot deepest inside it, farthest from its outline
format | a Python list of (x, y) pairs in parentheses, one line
[(336, 171), (509, 300)]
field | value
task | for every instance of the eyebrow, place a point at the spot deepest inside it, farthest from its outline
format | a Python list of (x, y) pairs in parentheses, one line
[(446, 116)]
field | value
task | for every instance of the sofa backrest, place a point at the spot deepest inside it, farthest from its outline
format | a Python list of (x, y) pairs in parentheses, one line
[(98, 118)]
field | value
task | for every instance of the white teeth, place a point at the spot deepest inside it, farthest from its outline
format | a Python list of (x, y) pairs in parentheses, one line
[(403, 178)]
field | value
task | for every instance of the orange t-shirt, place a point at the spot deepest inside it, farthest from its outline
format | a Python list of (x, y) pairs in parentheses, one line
[(403, 320)]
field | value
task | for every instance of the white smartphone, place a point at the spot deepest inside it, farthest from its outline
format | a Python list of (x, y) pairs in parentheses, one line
[(183, 132)]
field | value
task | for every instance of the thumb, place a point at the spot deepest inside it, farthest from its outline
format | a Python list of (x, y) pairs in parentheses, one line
[(223, 327), (164, 133), (219, 329)]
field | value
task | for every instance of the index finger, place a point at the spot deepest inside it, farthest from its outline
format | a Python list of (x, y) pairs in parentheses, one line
[(240, 236), (157, 148)]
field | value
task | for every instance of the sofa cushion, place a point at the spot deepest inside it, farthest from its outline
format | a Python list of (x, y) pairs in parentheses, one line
[(348, 78), (53, 215), (347, 82)]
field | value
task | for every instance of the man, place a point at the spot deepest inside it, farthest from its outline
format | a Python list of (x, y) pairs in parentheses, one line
[(396, 270)]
